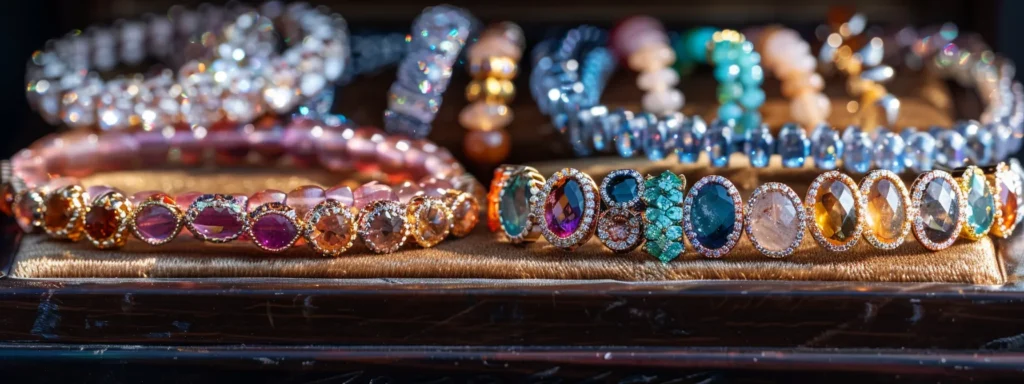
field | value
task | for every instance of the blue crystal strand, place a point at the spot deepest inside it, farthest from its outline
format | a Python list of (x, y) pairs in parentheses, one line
[(759, 146), (691, 139), (718, 143), (827, 147), (920, 152), (950, 149), (625, 141), (858, 150), (794, 146), (889, 150)]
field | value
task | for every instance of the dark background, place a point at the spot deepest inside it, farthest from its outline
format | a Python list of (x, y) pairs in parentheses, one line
[(26, 25)]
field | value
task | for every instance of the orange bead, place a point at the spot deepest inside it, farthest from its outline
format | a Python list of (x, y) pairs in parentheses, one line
[(487, 147)]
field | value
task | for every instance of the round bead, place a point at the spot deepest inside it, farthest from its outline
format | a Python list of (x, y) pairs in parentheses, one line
[(487, 147), (491, 90), (664, 78)]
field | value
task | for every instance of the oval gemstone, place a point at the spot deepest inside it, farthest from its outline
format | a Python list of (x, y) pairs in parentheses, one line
[(885, 214), (156, 223), (773, 223), (939, 210), (515, 205), (274, 232), (1008, 198), (835, 212), (563, 209), (332, 233), (981, 205), (218, 223), (622, 189), (387, 230), (101, 222), (713, 216)]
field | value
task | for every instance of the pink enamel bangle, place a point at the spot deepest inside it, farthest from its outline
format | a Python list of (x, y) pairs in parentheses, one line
[(41, 191)]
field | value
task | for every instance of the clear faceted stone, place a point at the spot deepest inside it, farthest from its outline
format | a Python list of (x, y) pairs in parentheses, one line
[(858, 150), (981, 207), (774, 221), (920, 152), (690, 141), (827, 147), (885, 211), (889, 150), (794, 146), (627, 136), (980, 145), (939, 210), (950, 149)]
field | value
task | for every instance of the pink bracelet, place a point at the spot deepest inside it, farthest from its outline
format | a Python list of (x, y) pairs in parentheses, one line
[(41, 191)]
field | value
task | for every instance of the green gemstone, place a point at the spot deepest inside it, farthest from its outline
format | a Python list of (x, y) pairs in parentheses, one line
[(515, 204), (981, 204), (663, 202), (664, 215), (674, 213), (674, 232), (674, 195)]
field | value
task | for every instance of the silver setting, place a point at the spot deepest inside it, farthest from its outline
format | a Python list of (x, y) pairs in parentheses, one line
[(634, 223), (588, 223), (623, 172), (917, 198), (216, 201), (801, 218), (737, 204)]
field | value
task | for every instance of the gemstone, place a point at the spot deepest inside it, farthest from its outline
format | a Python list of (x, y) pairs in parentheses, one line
[(102, 222), (718, 143), (655, 137), (628, 134), (59, 212), (885, 213), (1008, 198), (218, 222), (274, 231), (889, 149), (156, 223), (980, 144), (386, 230), (759, 146), (663, 196), (773, 222), (465, 216), (619, 229), (835, 212), (515, 205), (341, 194), (981, 204), (690, 141), (332, 233), (25, 212), (794, 146), (858, 150), (432, 223), (713, 216), (563, 209), (622, 189), (407, 190), (303, 199), (950, 148), (920, 152), (373, 191), (7, 199), (939, 210), (263, 197), (827, 147)]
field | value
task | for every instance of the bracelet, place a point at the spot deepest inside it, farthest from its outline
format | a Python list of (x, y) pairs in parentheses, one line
[(442, 203), (643, 43), (438, 36), (656, 211), (493, 63), (236, 78)]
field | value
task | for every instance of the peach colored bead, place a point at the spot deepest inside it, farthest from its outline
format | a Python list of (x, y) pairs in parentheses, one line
[(265, 196), (342, 194), (663, 78), (810, 108), (484, 116), (371, 192), (303, 199), (407, 190), (652, 57), (487, 147), (794, 86)]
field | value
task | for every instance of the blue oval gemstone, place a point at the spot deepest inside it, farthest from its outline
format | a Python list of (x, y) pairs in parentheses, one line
[(759, 146), (827, 147), (794, 146), (718, 143), (691, 139), (920, 152), (622, 189), (515, 204), (712, 216), (889, 148)]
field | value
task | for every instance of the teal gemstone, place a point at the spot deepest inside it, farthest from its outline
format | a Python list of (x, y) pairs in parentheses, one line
[(668, 180), (729, 112), (713, 216), (724, 52), (728, 92), (665, 251), (674, 232), (727, 73), (752, 98), (663, 202), (663, 215), (622, 189), (515, 205), (981, 204), (697, 43), (751, 77), (674, 213), (749, 60)]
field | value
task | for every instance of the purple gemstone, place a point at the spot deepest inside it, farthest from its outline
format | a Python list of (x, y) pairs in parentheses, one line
[(274, 232), (563, 208), (218, 223), (156, 223)]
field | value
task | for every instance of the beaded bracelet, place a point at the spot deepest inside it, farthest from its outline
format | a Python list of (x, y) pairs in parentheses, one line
[(655, 212), (643, 43), (438, 36), (235, 78), (493, 63), (442, 203)]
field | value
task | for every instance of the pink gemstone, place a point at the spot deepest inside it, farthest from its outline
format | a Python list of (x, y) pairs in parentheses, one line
[(371, 192), (220, 223), (362, 148), (267, 137), (304, 199), (274, 232), (153, 147), (299, 140), (332, 147), (387, 230), (185, 200), (407, 190), (138, 197), (391, 154), (156, 223), (95, 191), (341, 194), (29, 167), (563, 209), (263, 197), (436, 167), (435, 187)]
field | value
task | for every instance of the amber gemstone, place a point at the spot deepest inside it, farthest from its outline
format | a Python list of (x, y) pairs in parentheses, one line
[(102, 222), (7, 199), (886, 214), (1008, 198), (332, 233), (835, 212)]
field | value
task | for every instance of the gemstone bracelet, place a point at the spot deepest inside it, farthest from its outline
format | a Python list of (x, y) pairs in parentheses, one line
[(437, 38), (231, 74), (656, 211), (493, 63), (441, 203)]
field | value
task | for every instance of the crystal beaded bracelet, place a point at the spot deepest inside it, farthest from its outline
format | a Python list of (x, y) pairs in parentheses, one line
[(493, 63), (629, 210), (438, 37), (232, 77), (40, 194)]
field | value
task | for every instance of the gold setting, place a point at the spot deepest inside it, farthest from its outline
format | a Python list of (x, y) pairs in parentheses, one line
[(1004, 226), (865, 190), (64, 213), (216, 201), (273, 208), (325, 209), (416, 212), (969, 230), (531, 231), (165, 202), (370, 212), (809, 204), (32, 220), (118, 204), (455, 199)]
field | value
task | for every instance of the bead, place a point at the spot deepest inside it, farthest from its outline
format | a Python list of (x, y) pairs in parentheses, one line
[(827, 147), (795, 86), (303, 199), (662, 137), (950, 149), (626, 137), (981, 147), (487, 147), (263, 197), (759, 146), (496, 67), (690, 141), (752, 98), (810, 108), (485, 116), (857, 152), (651, 57), (752, 77), (371, 192), (664, 78), (920, 152), (663, 101), (794, 146), (491, 90), (729, 112), (718, 143), (603, 134), (1001, 136), (727, 73), (729, 93), (889, 149)]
